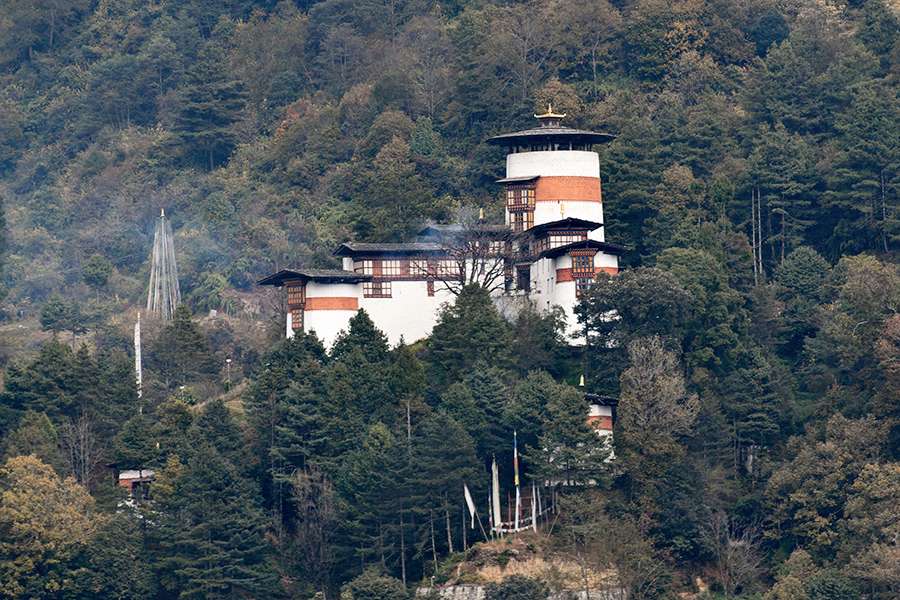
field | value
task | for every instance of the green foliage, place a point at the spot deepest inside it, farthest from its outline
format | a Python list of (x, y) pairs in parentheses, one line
[(468, 332), (516, 587), (209, 105), (372, 586), (181, 353), (273, 131), (210, 534)]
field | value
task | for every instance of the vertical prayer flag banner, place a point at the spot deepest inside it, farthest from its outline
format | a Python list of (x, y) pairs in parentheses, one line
[(516, 457), (516, 470), (470, 503), (495, 496)]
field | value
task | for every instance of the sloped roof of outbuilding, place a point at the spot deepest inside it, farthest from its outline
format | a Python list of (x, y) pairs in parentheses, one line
[(320, 275), (368, 248)]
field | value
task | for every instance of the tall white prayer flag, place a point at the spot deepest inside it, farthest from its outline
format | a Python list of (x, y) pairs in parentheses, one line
[(470, 503), (495, 496)]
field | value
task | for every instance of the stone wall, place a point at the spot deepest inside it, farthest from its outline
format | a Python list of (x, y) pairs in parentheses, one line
[(476, 592)]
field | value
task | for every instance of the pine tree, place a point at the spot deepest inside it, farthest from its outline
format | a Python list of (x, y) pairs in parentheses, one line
[(181, 353), (113, 565), (783, 170), (217, 426), (802, 287), (117, 391), (569, 450), (865, 185), (468, 331), (43, 385), (36, 435), (210, 104), (408, 373), (265, 402), (361, 335), (134, 446), (209, 537), (443, 459), (301, 437)]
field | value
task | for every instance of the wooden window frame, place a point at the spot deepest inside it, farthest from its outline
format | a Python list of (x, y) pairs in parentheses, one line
[(296, 294), (297, 318), (377, 289)]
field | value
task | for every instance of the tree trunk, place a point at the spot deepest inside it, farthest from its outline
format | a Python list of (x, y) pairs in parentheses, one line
[(449, 535), (433, 547), (883, 214), (402, 550)]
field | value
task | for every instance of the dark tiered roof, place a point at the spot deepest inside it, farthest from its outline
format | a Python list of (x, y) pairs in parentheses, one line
[(444, 230), (567, 223), (583, 245), (552, 134), (322, 275), (551, 131), (366, 248)]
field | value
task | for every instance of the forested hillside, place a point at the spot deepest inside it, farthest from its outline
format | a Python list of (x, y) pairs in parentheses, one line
[(754, 181)]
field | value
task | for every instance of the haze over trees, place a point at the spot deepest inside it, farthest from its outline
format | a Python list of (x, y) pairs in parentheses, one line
[(754, 181)]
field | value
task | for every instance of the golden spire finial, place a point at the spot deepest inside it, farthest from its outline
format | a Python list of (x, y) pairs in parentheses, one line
[(550, 114)]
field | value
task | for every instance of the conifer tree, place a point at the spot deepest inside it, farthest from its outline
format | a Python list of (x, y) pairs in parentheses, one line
[(210, 535), (113, 565), (134, 446), (44, 384), (468, 331), (865, 185), (802, 287), (35, 434), (117, 390), (181, 353), (361, 335), (569, 450), (210, 104), (443, 459), (408, 373), (217, 426), (265, 402), (301, 438)]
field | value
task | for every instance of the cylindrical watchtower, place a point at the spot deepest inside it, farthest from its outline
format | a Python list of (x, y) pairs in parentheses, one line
[(552, 173)]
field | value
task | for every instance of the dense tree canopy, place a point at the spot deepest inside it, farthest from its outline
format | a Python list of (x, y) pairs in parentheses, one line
[(749, 343)]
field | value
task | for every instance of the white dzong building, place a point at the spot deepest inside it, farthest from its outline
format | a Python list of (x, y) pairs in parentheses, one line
[(549, 250)]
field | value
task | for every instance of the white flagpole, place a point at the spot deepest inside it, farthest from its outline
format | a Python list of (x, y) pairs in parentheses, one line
[(516, 468), (495, 496), (138, 376), (533, 507)]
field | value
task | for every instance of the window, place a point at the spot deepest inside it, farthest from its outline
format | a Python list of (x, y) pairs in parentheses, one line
[(523, 278), (296, 295), (583, 270), (521, 220), (390, 268), (418, 267), (377, 289), (555, 239), (520, 198), (297, 319), (366, 267), (520, 203), (447, 268), (583, 263), (582, 285)]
